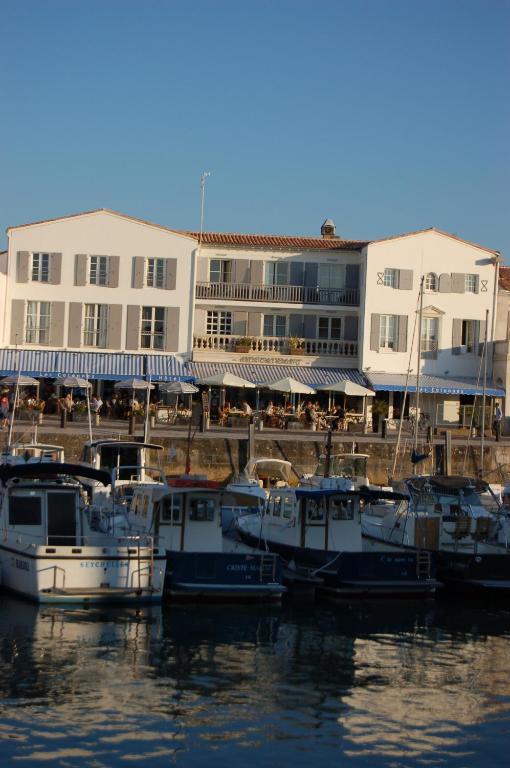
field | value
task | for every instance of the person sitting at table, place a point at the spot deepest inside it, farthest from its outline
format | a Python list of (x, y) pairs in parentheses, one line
[(338, 414), (246, 408), (224, 412), (269, 414), (311, 416)]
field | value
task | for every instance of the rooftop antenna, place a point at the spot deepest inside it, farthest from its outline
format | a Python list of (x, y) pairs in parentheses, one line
[(203, 178)]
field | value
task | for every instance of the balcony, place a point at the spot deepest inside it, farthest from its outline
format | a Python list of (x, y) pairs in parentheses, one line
[(277, 345), (279, 294)]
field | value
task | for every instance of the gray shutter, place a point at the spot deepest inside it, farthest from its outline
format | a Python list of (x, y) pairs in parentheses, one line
[(55, 268), (351, 328), (310, 327), (375, 332), (296, 273), (138, 271), (352, 276), (402, 333), (296, 325), (241, 271), (114, 330), (17, 321), (80, 269), (57, 314), (172, 329), (113, 271), (74, 328), (311, 274), (477, 283), (239, 323), (481, 335), (257, 272), (202, 270), (456, 336), (200, 322), (133, 327), (171, 274), (22, 265), (445, 283), (254, 323), (458, 282), (405, 279)]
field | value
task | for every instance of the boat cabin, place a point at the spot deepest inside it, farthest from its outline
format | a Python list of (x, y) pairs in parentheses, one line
[(32, 452), (353, 466)]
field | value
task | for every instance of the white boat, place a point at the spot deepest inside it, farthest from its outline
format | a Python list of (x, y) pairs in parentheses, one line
[(350, 466), (50, 550), (32, 451), (249, 491)]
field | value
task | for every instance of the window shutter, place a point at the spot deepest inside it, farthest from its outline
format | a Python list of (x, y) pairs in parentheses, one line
[(445, 283), (171, 274), (351, 328), (22, 266), (375, 330), (311, 274), (74, 328), (257, 272), (481, 335), (458, 282), (456, 336), (138, 271), (241, 271), (200, 322), (254, 323), (80, 269), (133, 327), (310, 326), (114, 330), (239, 323), (57, 314), (202, 270), (352, 276), (172, 329), (402, 333), (296, 325), (17, 321), (113, 271), (477, 283), (296, 273), (405, 279), (55, 268)]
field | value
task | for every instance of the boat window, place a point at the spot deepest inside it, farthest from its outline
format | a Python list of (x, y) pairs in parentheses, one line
[(314, 511), (342, 509), (171, 509), (277, 506), (202, 510), (287, 507), (25, 510)]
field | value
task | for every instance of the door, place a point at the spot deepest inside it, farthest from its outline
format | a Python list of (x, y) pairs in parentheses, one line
[(426, 532), (61, 515)]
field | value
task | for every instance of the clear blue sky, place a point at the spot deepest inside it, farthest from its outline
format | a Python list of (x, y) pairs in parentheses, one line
[(385, 115)]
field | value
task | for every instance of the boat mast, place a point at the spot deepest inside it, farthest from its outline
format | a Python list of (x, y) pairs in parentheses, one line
[(482, 441), (420, 318)]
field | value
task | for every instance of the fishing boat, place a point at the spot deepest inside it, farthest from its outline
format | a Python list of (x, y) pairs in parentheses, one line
[(449, 517), (317, 532), (187, 524), (50, 549)]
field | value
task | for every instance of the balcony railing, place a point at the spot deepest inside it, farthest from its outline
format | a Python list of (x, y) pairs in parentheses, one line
[(286, 294), (277, 345)]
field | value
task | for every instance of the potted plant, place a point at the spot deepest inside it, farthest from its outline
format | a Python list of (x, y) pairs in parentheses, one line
[(243, 344), (296, 345), (380, 411)]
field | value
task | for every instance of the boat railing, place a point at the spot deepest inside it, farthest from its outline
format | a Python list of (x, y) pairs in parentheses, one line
[(137, 473), (56, 570)]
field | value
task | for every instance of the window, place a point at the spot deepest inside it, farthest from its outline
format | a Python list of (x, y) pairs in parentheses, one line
[(342, 509), (277, 506), (330, 328), (220, 271), (287, 507), (38, 322), (471, 283), (275, 325), (25, 510), (171, 510), (331, 276), (388, 332), (314, 512), (201, 510), (468, 339), (219, 322), (98, 271), (40, 267), (431, 282), (277, 273), (96, 320), (153, 328), (429, 334), (155, 273), (390, 278)]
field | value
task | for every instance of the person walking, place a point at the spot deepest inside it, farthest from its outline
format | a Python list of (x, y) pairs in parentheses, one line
[(4, 411), (498, 418)]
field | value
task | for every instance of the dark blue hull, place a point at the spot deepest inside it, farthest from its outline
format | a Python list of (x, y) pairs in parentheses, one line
[(224, 576), (357, 573)]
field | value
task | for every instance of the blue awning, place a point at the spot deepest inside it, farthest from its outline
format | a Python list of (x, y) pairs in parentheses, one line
[(268, 374), (92, 365), (430, 385)]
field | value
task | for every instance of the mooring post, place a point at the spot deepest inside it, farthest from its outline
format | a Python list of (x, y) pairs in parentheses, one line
[(447, 452)]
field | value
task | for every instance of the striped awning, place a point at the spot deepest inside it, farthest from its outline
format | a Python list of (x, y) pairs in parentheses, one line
[(268, 374), (429, 385), (92, 365)]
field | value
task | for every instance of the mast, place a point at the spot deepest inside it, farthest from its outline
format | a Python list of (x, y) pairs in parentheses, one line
[(482, 441), (420, 318)]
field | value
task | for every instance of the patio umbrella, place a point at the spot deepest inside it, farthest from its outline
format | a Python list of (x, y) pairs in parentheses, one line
[(348, 388), (179, 388), (133, 384), (291, 386), (226, 380), (22, 381), (73, 382)]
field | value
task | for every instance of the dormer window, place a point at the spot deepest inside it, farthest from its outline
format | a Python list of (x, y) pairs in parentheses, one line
[(431, 282)]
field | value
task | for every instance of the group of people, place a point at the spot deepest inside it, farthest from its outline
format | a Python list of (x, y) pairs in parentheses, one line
[(309, 414)]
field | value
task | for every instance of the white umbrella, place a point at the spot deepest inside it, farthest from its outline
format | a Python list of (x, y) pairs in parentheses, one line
[(133, 384), (73, 382), (179, 388), (346, 387), (227, 380), (23, 381), (291, 386)]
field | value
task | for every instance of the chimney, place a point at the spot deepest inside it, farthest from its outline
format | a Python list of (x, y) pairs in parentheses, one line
[(328, 230)]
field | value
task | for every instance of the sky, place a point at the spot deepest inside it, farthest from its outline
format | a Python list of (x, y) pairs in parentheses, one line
[(385, 115)]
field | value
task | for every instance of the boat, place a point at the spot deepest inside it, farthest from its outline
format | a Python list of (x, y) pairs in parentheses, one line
[(317, 532), (50, 549), (186, 521), (353, 466), (449, 517), (32, 451)]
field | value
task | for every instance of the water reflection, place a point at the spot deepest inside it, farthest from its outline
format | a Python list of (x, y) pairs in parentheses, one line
[(386, 683)]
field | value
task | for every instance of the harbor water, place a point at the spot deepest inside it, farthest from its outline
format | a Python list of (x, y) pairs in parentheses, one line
[(387, 683)]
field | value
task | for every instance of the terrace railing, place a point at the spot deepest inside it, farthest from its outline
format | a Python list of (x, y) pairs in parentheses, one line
[(286, 294)]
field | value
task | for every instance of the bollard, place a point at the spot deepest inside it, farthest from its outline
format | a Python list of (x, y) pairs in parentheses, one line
[(384, 429), (131, 426), (63, 418)]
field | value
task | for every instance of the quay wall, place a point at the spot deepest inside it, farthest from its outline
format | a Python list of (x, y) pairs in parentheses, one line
[(219, 457)]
